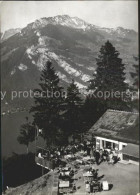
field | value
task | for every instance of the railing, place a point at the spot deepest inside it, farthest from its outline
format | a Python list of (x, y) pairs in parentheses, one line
[(43, 162)]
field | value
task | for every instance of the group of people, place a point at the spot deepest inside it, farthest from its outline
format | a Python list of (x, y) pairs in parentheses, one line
[(57, 156), (104, 154), (93, 184), (88, 149), (60, 152), (65, 173)]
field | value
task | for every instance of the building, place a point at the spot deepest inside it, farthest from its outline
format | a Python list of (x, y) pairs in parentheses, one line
[(131, 153), (118, 130)]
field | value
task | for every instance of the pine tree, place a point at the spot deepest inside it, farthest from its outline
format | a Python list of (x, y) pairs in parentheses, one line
[(48, 105), (110, 78), (73, 107), (92, 110)]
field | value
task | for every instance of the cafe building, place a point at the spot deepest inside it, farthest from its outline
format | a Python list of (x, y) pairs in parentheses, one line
[(118, 130)]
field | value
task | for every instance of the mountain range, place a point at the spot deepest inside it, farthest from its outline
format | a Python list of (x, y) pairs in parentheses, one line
[(69, 42)]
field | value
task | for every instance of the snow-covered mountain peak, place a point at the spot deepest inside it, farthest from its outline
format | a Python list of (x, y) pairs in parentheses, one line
[(75, 22), (72, 22), (65, 20)]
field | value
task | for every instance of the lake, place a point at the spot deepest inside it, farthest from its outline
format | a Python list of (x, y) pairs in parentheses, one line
[(10, 129)]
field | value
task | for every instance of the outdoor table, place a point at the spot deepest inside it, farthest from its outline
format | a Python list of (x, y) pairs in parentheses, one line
[(68, 156), (87, 158), (87, 174), (79, 161), (67, 173), (65, 169), (64, 184)]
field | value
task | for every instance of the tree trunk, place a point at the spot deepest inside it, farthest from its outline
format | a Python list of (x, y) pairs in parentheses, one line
[(73, 136), (27, 149)]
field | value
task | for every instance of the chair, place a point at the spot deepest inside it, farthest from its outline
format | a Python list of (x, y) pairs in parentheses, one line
[(96, 187)]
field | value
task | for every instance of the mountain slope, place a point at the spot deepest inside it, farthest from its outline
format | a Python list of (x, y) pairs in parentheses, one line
[(9, 33), (39, 186), (70, 43)]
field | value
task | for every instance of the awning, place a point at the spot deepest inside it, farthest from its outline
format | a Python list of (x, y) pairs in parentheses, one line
[(131, 150)]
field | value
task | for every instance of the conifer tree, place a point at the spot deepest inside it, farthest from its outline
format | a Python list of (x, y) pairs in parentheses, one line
[(48, 104), (92, 110), (110, 78), (73, 107)]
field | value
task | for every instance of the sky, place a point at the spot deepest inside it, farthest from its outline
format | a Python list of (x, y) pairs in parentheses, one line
[(110, 14)]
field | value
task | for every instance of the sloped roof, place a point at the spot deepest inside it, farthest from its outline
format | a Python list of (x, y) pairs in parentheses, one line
[(131, 150), (118, 125)]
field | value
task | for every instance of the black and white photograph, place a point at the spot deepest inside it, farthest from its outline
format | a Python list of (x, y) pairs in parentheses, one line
[(69, 97)]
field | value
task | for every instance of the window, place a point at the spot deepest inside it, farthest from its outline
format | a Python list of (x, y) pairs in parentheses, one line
[(108, 144)]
